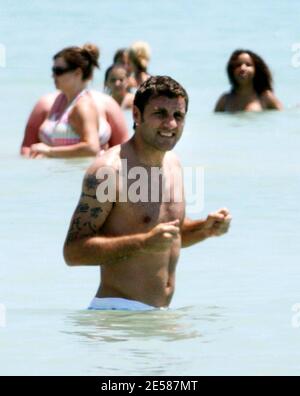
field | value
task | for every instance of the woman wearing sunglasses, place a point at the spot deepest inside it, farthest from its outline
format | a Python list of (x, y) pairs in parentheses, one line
[(80, 122)]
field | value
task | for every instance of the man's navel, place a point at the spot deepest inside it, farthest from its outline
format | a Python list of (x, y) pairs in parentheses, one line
[(146, 219)]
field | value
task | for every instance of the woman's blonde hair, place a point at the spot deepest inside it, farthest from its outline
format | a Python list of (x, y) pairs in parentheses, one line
[(139, 53)]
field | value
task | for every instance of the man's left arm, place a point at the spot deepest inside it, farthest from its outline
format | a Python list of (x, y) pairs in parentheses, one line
[(194, 231)]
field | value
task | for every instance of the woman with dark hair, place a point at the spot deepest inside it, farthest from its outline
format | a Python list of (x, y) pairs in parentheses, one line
[(251, 85), (121, 58), (80, 122), (116, 83)]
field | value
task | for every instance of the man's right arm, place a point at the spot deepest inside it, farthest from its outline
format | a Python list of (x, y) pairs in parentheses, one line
[(85, 245)]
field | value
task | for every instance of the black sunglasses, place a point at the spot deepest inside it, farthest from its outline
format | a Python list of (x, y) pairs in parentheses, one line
[(58, 70)]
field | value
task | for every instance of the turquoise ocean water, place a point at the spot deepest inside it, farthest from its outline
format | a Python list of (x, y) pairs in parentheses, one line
[(232, 309)]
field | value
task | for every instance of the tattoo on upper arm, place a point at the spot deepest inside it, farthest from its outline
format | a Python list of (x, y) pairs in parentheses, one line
[(85, 219), (84, 195), (95, 212), (83, 208), (91, 182), (83, 227)]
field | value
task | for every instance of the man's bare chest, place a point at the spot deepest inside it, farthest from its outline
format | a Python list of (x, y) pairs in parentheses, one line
[(131, 218)]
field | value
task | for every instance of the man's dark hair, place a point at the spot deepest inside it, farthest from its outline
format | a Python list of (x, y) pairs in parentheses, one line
[(262, 80), (156, 86)]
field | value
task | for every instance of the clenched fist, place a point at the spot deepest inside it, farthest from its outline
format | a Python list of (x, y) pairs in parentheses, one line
[(161, 237), (217, 223)]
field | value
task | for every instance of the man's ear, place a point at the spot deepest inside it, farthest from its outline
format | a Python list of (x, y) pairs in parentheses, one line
[(137, 116)]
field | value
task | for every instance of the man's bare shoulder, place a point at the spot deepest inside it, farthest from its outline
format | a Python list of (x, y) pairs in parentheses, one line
[(172, 159), (110, 158)]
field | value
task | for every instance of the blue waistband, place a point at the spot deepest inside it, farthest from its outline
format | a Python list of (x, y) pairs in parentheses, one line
[(116, 303)]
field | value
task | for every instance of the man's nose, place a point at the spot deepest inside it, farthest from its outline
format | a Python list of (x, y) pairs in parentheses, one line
[(170, 123)]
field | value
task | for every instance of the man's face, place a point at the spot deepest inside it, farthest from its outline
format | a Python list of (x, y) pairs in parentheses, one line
[(162, 122)]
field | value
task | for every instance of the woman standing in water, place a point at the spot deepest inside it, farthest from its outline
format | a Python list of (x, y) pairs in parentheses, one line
[(37, 116), (116, 84), (81, 122), (139, 57), (251, 85)]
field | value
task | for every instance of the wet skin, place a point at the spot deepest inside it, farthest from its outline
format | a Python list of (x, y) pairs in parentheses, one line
[(137, 244)]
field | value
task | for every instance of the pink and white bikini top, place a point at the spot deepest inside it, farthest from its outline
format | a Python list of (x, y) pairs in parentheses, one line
[(56, 131)]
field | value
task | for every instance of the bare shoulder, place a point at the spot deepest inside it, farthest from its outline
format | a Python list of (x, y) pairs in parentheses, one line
[(105, 165), (128, 101), (172, 159), (48, 99), (98, 96), (103, 100), (270, 100), (85, 106), (44, 105), (113, 113), (112, 107), (92, 210), (221, 103), (268, 96), (110, 158), (54, 101)]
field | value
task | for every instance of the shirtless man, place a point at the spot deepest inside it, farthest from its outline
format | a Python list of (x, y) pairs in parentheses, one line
[(137, 244)]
